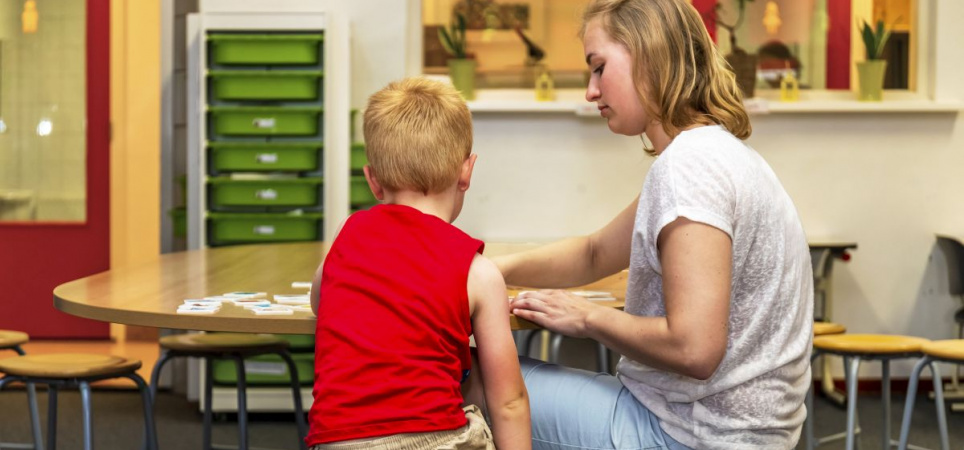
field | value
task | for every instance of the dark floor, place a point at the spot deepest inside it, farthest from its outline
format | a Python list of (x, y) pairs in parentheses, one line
[(118, 422)]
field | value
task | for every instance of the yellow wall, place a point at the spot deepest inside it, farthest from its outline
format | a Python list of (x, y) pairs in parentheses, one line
[(136, 122), (135, 104)]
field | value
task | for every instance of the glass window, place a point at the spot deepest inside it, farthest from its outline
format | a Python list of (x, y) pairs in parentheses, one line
[(42, 110), (817, 39)]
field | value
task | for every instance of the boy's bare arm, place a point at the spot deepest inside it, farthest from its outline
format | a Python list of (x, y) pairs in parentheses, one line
[(315, 293), (505, 393)]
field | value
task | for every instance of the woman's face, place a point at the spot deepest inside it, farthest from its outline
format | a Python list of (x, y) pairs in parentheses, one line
[(611, 84)]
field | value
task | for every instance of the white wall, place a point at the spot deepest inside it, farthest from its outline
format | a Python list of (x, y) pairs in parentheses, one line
[(887, 181)]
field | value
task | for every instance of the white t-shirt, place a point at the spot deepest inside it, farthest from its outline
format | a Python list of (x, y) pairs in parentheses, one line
[(755, 398)]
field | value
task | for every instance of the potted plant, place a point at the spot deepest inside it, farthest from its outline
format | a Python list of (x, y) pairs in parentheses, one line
[(870, 72), (461, 65), (742, 63)]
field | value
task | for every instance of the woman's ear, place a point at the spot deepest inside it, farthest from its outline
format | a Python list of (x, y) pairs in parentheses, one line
[(465, 176), (373, 183)]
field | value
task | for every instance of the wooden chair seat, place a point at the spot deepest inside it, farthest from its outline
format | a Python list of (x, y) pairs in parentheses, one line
[(869, 344), (10, 339), (68, 365), (950, 349), (224, 343), (827, 328)]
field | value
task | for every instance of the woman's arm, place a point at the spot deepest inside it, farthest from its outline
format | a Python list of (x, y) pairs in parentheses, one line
[(506, 399), (315, 294), (576, 261), (691, 340)]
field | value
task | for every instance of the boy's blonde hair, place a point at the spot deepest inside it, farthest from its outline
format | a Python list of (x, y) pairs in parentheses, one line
[(680, 76), (418, 132)]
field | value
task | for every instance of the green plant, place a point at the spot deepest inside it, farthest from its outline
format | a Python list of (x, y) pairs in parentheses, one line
[(874, 39), (453, 39)]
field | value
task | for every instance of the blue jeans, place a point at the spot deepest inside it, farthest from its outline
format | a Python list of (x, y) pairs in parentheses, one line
[(575, 409)]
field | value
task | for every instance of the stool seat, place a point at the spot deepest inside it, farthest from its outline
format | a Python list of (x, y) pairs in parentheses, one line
[(825, 328), (10, 339), (68, 365), (950, 349), (224, 343), (869, 344)]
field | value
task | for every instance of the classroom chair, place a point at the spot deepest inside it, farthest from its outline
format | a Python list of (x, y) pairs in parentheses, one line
[(953, 251), (855, 348), (951, 351), (12, 340), (75, 369), (236, 347)]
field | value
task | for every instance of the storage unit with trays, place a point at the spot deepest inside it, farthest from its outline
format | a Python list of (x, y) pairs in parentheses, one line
[(269, 138), (360, 196)]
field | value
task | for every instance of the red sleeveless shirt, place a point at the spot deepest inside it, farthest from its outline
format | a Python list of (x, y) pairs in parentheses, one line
[(392, 338)]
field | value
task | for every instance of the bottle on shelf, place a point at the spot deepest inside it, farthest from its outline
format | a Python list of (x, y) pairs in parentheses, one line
[(789, 86), (545, 87)]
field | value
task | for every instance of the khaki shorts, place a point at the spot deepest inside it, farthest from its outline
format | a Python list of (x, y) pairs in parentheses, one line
[(474, 435)]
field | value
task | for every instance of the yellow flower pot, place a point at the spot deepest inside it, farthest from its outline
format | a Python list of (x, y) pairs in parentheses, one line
[(871, 77), (462, 72)]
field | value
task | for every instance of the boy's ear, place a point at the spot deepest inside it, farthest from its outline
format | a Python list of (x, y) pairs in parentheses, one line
[(373, 183), (465, 177)]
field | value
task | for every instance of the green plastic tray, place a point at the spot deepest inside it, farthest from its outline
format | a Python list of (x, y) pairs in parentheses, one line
[(265, 121), (179, 220), (299, 341), (358, 158), (266, 370), (265, 49), (284, 192), (264, 85), (228, 228), (258, 157), (360, 193)]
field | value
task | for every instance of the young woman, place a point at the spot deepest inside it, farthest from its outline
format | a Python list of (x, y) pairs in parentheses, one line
[(716, 332)]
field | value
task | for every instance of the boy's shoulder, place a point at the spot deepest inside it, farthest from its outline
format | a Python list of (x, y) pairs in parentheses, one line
[(484, 272)]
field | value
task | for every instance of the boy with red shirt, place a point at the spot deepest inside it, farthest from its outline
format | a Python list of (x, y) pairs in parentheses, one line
[(402, 289)]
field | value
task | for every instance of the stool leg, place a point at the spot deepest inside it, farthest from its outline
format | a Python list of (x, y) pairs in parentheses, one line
[(208, 385), (150, 434), (885, 398), (602, 355), (34, 416), (854, 366), (156, 373), (34, 412), (939, 402), (556, 345), (88, 419), (242, 404), (296, 397), (52, 416), (530, 338), (909, 403)]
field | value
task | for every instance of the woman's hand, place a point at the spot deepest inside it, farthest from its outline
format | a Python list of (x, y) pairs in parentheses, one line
[(555, 310)]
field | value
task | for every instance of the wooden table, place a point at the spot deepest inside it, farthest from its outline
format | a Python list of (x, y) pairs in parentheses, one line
[(149, 294)]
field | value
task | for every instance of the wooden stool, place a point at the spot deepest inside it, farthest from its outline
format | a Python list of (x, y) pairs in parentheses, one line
[(236, 347), (820, 329), (951, 351), (873, 347), (77, 369), (12, 340)]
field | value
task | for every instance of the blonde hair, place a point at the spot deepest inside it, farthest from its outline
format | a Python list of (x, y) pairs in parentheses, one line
[(418, 132), (680, 76)]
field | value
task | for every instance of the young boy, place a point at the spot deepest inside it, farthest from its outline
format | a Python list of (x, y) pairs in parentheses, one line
[(402, 289)]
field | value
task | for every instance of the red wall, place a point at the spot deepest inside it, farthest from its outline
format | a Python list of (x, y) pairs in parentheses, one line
[(36, 257), (838, 44)]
